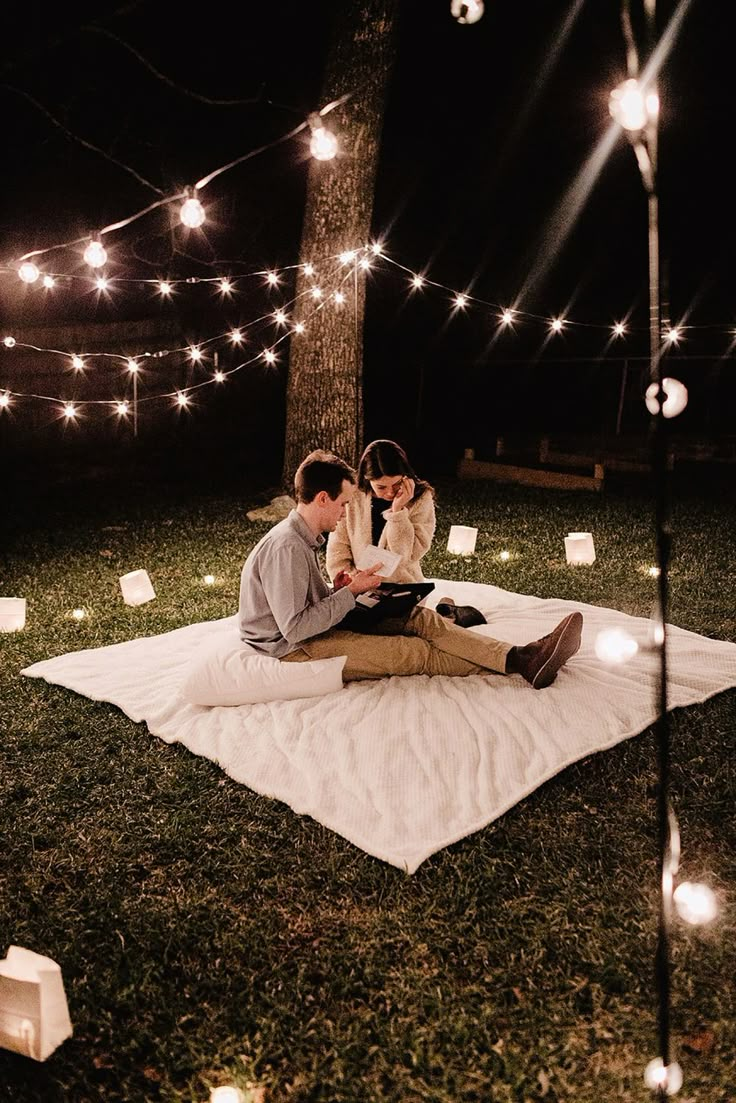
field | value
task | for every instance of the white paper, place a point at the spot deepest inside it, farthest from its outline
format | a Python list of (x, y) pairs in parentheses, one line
[(371, 555)]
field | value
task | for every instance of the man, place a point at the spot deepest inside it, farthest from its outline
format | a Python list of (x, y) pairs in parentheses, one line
[(288, 610)]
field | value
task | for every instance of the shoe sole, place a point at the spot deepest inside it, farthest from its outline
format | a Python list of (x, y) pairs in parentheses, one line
[(568, 643)]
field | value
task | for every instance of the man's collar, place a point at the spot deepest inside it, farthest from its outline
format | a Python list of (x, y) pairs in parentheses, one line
[(304, 530)]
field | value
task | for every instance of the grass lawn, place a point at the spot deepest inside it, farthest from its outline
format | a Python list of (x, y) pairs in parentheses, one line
[(208, 935)]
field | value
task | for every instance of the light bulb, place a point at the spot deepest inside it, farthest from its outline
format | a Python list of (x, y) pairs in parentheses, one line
[(69, 410), (417, 281), (467, 11), (339, 298), (308, 269), (4, 400), (619, 329), (121, 408), (377, 248), (653, 572), (323, 145), (195, 354), (209, 580), (365, 264), (280, 318), (272, 279), (556, 325), (613, 645), (9, 342), (226, 287), (28, 272), (132, 365), (675, 397), (78, 614), (299, 327), (164, 287), (49, 281), (672, 335), (236, 336), (507, 317), (504, 556), (347, 257), (182, 399), (77, 363), (631, 106), (695, 903), (460, 301), (219, 377), (658, 1076), (316, 292), (192, 213), (101, 283), (95, 254), (269, 356)]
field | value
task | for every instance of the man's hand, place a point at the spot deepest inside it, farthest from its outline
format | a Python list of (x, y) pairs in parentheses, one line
[(404, 496), (342, 578), (363, 581)]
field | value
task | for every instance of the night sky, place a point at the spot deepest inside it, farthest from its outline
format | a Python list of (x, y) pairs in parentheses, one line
[(486, 130)]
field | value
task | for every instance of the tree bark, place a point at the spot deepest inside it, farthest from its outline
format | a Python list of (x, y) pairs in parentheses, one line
[(324, 397)]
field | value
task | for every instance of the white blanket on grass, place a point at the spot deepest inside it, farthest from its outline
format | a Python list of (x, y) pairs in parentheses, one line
[(405, 766)]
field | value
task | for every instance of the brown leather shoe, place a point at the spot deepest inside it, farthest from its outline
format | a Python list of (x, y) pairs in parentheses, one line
[(540, 661)]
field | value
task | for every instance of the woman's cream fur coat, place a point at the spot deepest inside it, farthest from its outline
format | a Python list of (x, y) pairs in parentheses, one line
[(408, 532)]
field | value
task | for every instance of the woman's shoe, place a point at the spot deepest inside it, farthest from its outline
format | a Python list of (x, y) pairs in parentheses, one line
[(464, 616)]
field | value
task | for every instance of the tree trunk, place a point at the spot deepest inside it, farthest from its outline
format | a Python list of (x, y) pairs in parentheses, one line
[(324, 398)]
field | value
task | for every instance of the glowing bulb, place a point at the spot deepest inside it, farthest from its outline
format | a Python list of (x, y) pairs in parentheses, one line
[(236, 336), (365, 263), (323, 145), (675, 397), (28, 272), (226, 287), (460, 301), (418, 281), (467, 11), (631, 106), (49, 281), (195, 353), (280, 318), (308, 269), (299, 327), (504, 556), (339, 298), (78, 614), (556, 325), (227, 1094), (619, 329), (377, 248), (272, 279), (347, 257), (9, 342), (192, 213), (69, 410), (164, 287), (102, 284), (95, 254), (209, 580), (4, 400), (132, 366), (672, 335), (316, 292), (269, 356), (219, 377), (77, 363), (507, 317), (121, 408), (695, 903), (653, 572), (182, 399), (613, 645), (658, 1076)]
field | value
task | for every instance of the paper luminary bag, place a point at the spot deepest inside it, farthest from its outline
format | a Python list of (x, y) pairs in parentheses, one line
[(34, 1017)]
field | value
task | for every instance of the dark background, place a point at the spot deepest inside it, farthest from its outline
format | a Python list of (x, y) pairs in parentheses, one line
[(486, 129)]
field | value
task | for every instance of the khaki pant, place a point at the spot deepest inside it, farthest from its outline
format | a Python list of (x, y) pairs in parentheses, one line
[(426, 644)]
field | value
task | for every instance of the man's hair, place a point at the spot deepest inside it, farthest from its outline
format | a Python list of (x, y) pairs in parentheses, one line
[(321, 471)]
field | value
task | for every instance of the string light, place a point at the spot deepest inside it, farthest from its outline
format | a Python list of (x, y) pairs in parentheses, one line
[(673, 336), (4, 400), (272, 279), (95, 255), (121, 408), (182, 399), (507, 317), (323, 143), (619, 329), (195, 354), (29, 272), (9, 342), (226, 287), (316, 292), (365, 264), (236, 336), (632, 106), (69, 410), (377, 248), (339, 298), (132, 365), (269, 356), (653, 572), (308, 269), (557, 325), (101, 283), (77, 363), (417, 281), (347, 257), (299, 327), (219, 377), (467, 11), (164, 287), (49, 282), (460, 301), (280, 318), (192, 213)]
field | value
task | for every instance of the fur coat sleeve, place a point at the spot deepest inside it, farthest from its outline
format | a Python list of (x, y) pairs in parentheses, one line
[(408, 532)]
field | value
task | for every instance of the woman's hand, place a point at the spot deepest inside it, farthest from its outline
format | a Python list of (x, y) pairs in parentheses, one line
[(404, 495)]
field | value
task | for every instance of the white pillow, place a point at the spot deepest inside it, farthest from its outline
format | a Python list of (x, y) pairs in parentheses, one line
[(233, 673)]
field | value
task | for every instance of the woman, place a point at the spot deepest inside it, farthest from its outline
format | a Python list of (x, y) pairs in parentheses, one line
[(391, 508)]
